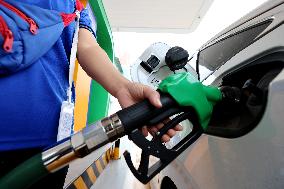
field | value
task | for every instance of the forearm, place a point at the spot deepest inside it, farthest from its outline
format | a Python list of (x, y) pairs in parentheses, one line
[(97, 65)]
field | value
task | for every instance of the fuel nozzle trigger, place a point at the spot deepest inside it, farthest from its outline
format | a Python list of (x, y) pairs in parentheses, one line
[(156, 148)]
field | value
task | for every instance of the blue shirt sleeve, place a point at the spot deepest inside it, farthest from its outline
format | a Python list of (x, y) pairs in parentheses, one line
[(86, 21)]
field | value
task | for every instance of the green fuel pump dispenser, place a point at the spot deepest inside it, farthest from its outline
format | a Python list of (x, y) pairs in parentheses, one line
[(180, 94)]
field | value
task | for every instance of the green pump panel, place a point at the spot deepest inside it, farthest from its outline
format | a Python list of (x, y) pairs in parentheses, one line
[(99, 97)]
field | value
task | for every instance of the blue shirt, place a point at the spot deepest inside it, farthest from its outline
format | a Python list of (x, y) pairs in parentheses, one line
[(30, 100)]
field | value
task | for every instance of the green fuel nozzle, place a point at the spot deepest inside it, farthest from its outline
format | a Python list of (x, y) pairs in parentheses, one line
[(187, 98), (188, 91)]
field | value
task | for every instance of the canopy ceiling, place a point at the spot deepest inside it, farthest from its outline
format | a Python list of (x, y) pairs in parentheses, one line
[(179, 16)]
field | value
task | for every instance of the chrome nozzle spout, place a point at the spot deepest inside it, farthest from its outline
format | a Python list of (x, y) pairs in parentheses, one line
[(83, 142)]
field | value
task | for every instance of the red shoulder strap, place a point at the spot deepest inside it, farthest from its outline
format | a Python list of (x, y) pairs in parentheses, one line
[(79, 5), (68, 18)]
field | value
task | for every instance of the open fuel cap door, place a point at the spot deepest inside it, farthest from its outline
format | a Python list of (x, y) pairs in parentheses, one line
[(157, 62)]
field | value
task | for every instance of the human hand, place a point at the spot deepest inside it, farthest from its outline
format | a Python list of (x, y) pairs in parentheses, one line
[(136, 92)]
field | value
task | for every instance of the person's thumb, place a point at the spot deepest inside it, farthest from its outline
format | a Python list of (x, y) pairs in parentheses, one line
[(153, 96)]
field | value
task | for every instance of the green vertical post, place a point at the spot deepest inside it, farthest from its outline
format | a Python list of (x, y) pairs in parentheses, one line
[(99, 97)]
